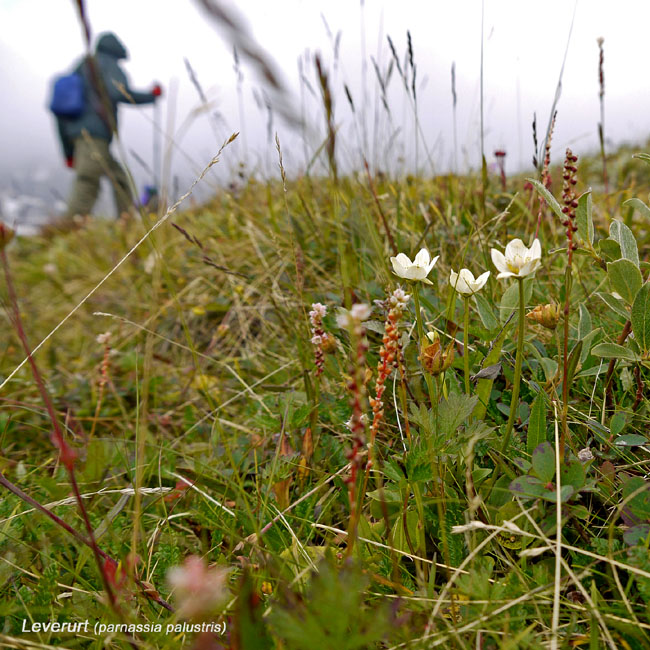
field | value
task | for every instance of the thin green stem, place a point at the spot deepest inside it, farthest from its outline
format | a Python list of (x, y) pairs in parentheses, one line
[(422, 342), (514, 402), (466, 343)]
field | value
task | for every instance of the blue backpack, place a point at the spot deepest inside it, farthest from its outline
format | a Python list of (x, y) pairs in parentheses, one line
[(68, 96)]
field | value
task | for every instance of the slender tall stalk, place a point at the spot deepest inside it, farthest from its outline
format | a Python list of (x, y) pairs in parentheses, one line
[(514, 402), (466, 343), (421, 340), (569, 209)]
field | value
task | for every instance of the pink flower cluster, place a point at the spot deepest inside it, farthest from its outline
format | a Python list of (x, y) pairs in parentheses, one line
[(318, 335), (388, 355)]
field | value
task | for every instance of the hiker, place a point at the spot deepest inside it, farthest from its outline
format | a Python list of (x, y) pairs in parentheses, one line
[(86, 138)]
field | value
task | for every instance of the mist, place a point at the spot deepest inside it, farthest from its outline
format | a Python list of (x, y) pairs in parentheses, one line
[(524, 46)]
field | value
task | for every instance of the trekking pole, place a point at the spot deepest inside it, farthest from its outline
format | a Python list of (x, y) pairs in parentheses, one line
[(156, 143)]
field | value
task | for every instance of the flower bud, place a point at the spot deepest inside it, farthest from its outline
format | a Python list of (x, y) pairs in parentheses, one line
[(434, 359), (546, 315), (328, 343)]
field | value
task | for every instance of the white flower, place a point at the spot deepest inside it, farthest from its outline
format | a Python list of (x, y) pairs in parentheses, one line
[(464, 281), (418, 269), (518, 261)]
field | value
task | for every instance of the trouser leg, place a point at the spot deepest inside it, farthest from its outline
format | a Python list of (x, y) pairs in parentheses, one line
[(86, 184), (121, 187)]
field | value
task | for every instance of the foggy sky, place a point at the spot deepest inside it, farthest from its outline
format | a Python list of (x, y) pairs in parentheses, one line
[(524, 45)]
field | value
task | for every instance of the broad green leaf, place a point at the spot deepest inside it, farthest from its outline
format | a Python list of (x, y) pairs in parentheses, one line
[(619, 232), (402, 535), (485, 312), (527, 486), (631, 440), (584, 219), (549, 366), (551, 201), (572, 473), (617, 423), (584, 326), (453, 412), (609, 249), (566, 492), (639, 504), (613, 351), (616, 305), (544, 462), (510, 299), (587, 343), (636, 534), (637, 204), (640, 317), (625, 278), (536, 424)]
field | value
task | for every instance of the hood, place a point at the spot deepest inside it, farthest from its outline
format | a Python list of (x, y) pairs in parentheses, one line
[(110, 44)]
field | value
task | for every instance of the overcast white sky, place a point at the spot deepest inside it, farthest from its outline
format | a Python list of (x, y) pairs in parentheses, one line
[(524, 47)]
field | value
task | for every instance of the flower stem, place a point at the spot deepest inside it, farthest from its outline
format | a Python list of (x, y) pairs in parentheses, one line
[(514, 402), (422, 341), (466, 344)]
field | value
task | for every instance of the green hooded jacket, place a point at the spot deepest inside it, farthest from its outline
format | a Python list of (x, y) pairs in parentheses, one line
[(100, 112)]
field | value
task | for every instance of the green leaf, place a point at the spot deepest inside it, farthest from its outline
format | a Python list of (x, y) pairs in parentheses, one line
[(640, 317), (587, 342), (572, 362), (609, 249), (631, 440), (642, 156), (536, 424), (527, 486), (625, 278), (484, 386), (619, 232), (584, 219), (613, 351), (485, 312), (566, 492), (549, 366), (640, 503), (614, 304), (544, 462), (510, 299), (584, 326), (617, 423), (549, 198), (453, 412), (637, 204), (572, 473), (399, 533)]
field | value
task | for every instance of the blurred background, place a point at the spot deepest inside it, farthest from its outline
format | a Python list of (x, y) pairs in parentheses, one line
[(400, 118)]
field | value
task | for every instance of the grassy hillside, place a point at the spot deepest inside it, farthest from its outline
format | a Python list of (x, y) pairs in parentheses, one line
[(207, 422)]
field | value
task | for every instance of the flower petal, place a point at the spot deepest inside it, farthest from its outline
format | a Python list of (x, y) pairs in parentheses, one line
[(432, 263), (398, 267), (536, 250), (499, 260), (516, 248), (481, 280), (506, 274), (422, 258)]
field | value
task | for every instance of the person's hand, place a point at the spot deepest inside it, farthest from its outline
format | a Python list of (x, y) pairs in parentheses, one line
[(69, 161), (156, 91)]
